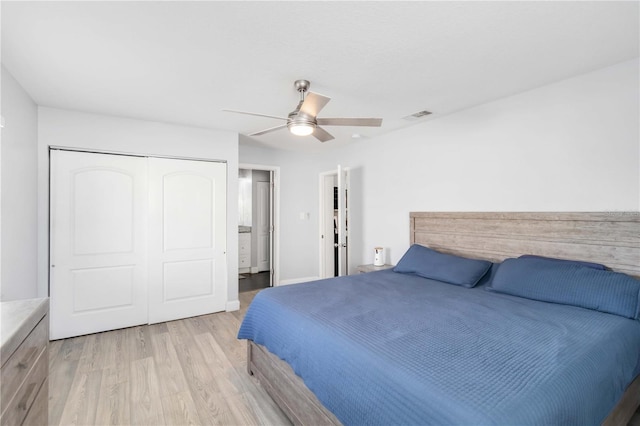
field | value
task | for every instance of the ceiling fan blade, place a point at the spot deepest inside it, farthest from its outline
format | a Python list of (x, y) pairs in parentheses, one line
[(271, 129), (254, 113), (313, 103), (322, 135), (369, 122)]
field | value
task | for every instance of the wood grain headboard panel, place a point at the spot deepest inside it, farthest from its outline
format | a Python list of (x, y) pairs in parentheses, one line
[(612, 239)]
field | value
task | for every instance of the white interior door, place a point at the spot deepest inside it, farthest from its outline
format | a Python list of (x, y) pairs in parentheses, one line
[(263, 222), (98, 275), (187, 238), (343, 221), (272, 214)]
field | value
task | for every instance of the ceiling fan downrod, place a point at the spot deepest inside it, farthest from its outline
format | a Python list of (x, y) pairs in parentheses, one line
[(302, 86)]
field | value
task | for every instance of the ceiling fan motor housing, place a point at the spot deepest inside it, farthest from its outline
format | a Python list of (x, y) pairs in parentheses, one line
[(302, 85)]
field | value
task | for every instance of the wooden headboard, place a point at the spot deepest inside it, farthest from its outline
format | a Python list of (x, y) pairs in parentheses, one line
[(612, 239)]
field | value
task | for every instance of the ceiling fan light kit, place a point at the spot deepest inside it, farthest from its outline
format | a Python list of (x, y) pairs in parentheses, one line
[(301, 129), (303, 121)]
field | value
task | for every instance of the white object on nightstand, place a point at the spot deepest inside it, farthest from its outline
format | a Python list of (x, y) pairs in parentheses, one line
[(378, 256)]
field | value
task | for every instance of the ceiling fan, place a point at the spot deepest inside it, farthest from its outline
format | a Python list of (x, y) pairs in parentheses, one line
[(304, 121)]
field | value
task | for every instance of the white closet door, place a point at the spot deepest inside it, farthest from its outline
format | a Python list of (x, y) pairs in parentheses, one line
[(98, 242), (187, 238)]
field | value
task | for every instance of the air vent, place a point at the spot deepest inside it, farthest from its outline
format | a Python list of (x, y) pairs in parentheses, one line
[(418, 115)]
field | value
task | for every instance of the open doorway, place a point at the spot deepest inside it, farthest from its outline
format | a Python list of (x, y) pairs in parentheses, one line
[(334, 223), (258, 227)]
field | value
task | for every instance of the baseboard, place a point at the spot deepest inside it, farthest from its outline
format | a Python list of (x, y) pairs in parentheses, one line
[(254, 270), (298, 280), (232, 305), (244, 270)]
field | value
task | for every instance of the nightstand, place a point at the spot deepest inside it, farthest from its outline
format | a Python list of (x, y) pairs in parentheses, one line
[(370, 268)]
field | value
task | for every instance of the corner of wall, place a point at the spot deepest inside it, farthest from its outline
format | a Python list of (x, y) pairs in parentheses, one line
[(18, 170)]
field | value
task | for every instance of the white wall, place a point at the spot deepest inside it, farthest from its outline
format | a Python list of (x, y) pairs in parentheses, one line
[(97, 132), (570, 146), (19, 192), (298, 194)]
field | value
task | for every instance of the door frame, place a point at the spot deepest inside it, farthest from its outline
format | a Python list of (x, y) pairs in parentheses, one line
[(323, 208), (275, 254), (325, 201), (50, 187)]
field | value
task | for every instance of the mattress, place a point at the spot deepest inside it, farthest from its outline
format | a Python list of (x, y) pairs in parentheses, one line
[(387, 348)]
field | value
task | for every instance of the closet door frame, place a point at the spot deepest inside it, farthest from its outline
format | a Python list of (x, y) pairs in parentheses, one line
[(128, 154)]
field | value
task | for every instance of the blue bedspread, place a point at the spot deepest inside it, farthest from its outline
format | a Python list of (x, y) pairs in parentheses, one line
[(387, 348)]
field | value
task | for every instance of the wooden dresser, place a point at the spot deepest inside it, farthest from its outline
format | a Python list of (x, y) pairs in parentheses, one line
[(24, 354)]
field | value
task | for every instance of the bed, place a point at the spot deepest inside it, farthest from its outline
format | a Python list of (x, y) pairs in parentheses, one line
[(471, 356)]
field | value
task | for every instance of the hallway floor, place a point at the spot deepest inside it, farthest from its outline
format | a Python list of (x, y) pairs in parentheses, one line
[(253, 281)]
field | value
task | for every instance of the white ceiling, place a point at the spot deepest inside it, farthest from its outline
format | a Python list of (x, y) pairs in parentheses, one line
[(183, 62)]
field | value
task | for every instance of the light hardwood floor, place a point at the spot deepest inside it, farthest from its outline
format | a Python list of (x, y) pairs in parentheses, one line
[(185, 372)]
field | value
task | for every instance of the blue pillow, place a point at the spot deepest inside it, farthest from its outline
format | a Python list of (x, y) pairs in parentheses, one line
[(488, 277), (427, 263), (577, 262), (569, 284)]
